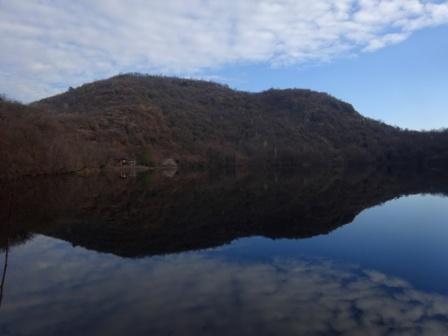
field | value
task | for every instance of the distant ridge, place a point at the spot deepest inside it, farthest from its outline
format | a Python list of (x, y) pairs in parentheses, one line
[(200, 124)]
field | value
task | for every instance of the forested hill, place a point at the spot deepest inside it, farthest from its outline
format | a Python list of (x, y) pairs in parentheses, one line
[(200, 124)]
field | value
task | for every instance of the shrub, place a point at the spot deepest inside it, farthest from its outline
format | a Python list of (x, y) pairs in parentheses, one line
[(145, 158)]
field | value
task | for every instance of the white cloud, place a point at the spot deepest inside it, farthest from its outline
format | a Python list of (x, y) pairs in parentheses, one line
[(48, 45)]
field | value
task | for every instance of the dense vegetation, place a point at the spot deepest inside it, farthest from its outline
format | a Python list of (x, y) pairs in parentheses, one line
[(199, 124)]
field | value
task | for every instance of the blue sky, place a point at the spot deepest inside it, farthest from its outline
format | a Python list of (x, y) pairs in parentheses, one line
[(387, 57), (404, 85)]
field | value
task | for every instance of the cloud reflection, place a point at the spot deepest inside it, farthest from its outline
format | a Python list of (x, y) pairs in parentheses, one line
[(54, 289)]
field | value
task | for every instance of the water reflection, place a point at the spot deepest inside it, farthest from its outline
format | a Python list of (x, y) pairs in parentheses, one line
[(182, 254), (157, 215), (72, 292)]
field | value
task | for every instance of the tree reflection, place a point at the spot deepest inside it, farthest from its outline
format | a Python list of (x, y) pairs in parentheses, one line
[(155, 214)]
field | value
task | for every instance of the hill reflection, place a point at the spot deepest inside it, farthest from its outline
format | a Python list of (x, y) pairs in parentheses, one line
[(155, 214)]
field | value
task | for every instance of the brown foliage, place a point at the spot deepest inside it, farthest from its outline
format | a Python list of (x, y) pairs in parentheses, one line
[(199, 123)]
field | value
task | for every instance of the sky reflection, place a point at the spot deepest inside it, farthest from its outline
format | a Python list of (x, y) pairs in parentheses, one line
[(53, 289)]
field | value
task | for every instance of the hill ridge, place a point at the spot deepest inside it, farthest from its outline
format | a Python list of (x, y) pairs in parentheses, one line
[(201, 124)]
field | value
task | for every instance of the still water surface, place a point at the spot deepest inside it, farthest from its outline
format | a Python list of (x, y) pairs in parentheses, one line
[(372, 269)]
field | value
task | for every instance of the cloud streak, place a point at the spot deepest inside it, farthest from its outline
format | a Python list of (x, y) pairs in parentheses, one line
[(48, 45)]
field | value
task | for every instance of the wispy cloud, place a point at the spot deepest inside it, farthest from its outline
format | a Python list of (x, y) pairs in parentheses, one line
[(48, 45)]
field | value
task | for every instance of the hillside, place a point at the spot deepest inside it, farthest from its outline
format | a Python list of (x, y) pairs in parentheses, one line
[(199, 124)]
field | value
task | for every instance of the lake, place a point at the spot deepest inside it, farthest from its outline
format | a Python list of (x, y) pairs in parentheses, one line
[(280, 253)]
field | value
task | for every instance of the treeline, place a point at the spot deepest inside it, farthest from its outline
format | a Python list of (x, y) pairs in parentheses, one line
[(200, 124)]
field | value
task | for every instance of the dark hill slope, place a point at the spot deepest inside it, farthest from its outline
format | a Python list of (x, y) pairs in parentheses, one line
[(199, 123), (196, 121), (34, 142)]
